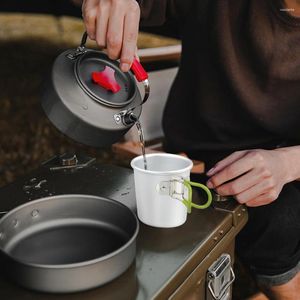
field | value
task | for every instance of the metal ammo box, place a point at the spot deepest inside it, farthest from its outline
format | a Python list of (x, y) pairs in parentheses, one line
[(192, 261)]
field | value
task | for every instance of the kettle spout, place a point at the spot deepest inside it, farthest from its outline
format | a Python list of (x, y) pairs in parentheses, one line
[(126, 117)]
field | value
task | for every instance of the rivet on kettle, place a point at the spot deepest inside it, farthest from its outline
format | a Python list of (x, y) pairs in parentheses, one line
[(15, 222), (117, 118), (35, 213)]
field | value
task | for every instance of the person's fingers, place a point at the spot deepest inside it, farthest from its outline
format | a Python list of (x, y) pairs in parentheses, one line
[(89, 14), (136, 54), (89, 5), (226, 162), (240, 184), (114, 25), (266, 187), (263, 199), (237, 168), (130, 35), (114, 37), (102, 23)]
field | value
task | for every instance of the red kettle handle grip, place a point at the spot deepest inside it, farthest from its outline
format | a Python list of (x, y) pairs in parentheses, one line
[(136, 67), (139, 71)]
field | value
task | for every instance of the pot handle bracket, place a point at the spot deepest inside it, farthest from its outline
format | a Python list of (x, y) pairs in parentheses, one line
[(80, 49)]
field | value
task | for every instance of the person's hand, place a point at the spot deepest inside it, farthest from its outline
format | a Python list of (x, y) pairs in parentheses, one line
[(114, 24), (253, 177)]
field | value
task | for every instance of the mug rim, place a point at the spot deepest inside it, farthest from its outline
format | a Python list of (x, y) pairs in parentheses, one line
[(140, 157)]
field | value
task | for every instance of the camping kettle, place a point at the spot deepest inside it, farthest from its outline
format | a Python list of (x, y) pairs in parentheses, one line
[(89, 99)]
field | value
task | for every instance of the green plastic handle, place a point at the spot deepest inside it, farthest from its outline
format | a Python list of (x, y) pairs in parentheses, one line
[(188, 202)]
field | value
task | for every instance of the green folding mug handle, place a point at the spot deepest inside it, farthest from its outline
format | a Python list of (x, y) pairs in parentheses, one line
[(188, 202)]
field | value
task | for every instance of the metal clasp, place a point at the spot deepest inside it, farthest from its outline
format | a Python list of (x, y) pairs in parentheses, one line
[(174, 188), (224, 290), (80, 49), (219, 198), (68, 161)]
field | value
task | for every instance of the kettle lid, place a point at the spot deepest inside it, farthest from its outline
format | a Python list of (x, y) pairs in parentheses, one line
[(102, 80)]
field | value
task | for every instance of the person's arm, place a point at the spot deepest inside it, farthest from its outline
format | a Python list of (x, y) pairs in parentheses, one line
[(255, 177)]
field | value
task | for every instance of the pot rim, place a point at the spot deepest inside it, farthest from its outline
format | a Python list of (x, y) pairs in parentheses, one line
[(78, 264)]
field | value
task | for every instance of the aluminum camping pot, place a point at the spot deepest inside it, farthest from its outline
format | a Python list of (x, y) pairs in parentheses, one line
[(67, 243), (89, 99)]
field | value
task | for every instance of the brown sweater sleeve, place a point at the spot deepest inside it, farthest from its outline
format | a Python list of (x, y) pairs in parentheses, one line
[(155, 12)]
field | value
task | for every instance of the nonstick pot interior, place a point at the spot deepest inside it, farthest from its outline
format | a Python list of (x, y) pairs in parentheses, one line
[(89, 238)]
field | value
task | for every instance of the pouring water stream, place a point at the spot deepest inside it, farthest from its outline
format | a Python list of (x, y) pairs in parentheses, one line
[(142, 142)]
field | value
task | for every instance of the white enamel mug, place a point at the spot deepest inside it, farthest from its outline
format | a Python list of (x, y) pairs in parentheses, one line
[(163, 191)]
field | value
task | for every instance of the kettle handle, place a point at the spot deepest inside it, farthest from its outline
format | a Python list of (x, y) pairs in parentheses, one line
[(139, 71), (83, 39), (136, 67)]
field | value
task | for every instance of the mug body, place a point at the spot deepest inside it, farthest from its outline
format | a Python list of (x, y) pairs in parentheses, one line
[(154, 207)]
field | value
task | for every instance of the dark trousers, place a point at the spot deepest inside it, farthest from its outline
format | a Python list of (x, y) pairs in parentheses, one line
[(270, 242)]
